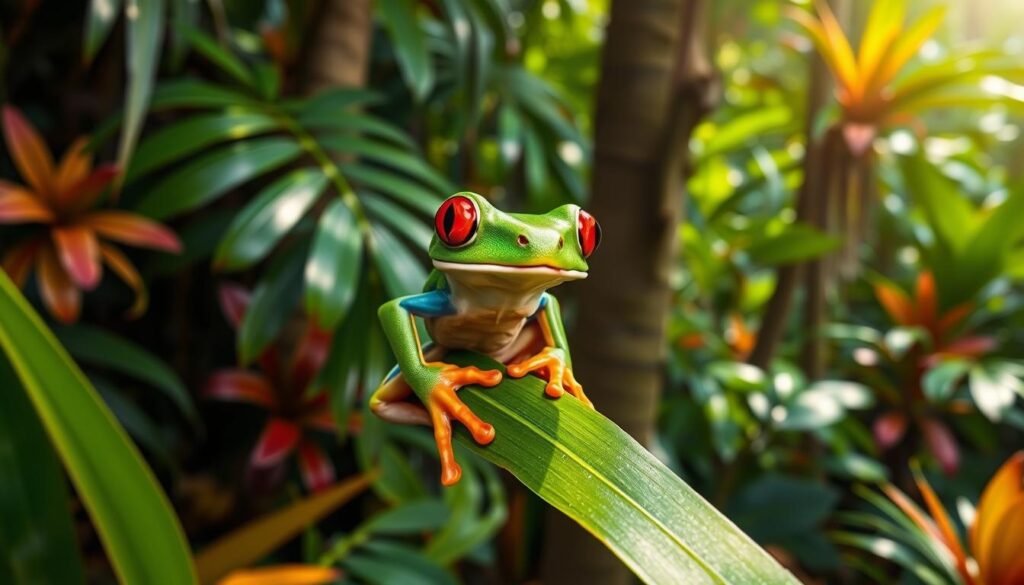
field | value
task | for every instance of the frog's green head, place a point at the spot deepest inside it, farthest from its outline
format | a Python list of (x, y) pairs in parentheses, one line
[(468, 230)]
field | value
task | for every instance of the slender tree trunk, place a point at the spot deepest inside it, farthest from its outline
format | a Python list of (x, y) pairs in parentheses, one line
[(776, 314), (340, 54), (654, 90)]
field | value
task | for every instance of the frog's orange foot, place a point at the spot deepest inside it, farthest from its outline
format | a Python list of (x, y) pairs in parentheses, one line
[(444, 404), (550, 365)]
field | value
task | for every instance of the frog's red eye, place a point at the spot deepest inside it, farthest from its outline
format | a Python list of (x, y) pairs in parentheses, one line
[(456, 221), (589, 233)]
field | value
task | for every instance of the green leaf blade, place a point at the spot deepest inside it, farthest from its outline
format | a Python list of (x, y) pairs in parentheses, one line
[(587, 467), (268, 218), (134, 519), (214, 174), (333, 268)]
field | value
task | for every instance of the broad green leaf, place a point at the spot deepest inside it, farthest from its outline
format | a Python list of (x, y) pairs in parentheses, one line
[(136, 422), (385, 563), (273, 302), (193, 93), (986, 254), (253, 541), (993, 392), (145, 31), (216, 173), (811, 409), (410, 44), (134, 520), (737, 375), (476, 514), (334, 101), (101, 348), (339, 376), (584, 465), (797, 243), (858, 467), (356, 123), (223, 59), (334, 265), (37, 537), (409, 518), (948, 212), (413, 194), (98, 24), (194, 133), (387, 154), (940, 382), (268, 218), (402, 273), (742, 130), (776, 506), (412, 228)]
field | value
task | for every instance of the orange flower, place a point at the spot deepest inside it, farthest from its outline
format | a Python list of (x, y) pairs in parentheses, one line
[(282, 575), (866, 90), (71, 246), (996, 535)]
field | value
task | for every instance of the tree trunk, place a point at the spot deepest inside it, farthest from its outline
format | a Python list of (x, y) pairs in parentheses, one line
[(339, 57), (809, 205), (655, 87)]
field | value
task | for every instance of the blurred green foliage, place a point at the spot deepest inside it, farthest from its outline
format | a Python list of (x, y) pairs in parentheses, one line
[(320, 205)]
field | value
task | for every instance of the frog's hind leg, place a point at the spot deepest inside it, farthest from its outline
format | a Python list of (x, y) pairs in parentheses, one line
[(395, 402)]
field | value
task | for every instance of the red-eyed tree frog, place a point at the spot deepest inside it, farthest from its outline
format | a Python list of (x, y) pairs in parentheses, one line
[(487, 294)]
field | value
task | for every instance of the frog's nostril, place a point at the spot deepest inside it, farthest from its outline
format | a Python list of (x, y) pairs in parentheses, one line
[(561, 242), (522, 240)]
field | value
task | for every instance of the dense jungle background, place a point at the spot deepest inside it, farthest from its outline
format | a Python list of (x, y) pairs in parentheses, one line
[(808, 300)]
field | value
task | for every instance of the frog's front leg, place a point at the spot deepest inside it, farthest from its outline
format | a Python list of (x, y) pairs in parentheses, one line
[(435, 382), (552, 362)]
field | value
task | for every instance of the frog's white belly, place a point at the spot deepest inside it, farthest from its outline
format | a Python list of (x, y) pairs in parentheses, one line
[(492, 305)]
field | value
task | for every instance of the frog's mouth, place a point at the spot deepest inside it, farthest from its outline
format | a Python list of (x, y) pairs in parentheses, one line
[(540, 271)]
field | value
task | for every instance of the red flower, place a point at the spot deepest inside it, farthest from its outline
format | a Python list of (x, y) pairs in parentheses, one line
[(71, 246), (280, 387)]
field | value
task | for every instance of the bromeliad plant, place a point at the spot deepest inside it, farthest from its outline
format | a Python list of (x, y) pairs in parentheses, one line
[(67, 241), (930, 546), (936, 337), (878, 88), (283, 388)]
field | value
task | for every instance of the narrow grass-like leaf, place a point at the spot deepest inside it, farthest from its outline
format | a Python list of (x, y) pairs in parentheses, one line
[(135, 521), (384, 563), (413, 228), (145, 31), (272, 303), (410, 44), (264, 221), (397, 158), (251, 542), (37, 537), (400, 270), (98, 24), (223, 59), (356, 123), (590, 469), (333, 268), (193, 134), (106, 350), (193, 93), (411, 193), (214, 174)]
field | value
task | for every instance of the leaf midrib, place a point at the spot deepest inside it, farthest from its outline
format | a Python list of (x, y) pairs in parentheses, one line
[(603, 478)]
